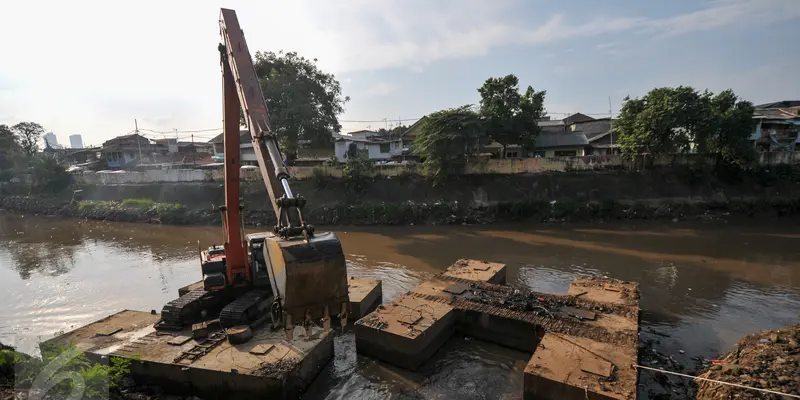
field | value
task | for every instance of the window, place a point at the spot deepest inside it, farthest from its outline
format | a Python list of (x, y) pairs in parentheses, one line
[(566, 153), (512, 154), (384, 147), (540, 154)]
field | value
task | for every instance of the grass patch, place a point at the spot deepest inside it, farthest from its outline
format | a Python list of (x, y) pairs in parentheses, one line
[(138, 203), (90, 205)]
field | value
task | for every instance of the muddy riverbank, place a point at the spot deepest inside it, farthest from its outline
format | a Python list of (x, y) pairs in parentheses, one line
[(415, 213), (582, 196)]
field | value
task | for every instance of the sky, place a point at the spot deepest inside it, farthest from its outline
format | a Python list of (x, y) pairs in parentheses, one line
[(93, 67)]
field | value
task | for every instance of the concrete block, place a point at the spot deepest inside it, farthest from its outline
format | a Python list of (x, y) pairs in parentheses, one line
[(478, 271), (365, 296), (568, 367), (265, 367), (605, 290), (95, 340), (405, 332)]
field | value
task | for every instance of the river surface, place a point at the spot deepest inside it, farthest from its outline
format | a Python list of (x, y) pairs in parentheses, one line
[(703, 284)]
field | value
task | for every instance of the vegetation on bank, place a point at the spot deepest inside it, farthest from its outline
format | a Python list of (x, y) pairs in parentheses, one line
[(95, 381), (419, 213), (20, 158)]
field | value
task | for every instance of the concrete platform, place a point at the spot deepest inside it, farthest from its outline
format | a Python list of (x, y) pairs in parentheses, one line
[(598, 317), (106, 335), (568, 367), (265, 367), (604, 290), (365, 296), (481, 271), (405, 332)]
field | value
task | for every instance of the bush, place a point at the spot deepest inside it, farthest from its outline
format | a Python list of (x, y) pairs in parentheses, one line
[(357, 173), (99, 380), (319, 177), (48, 176), (92, 206), (138, 203)]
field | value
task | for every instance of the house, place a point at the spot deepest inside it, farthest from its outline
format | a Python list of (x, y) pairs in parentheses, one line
[(777, 126), (599, 133), (561, 144), (81, 156), (375, 146), (576, 118), (128, 150), (407, 138), (551, 125), (246, 151)]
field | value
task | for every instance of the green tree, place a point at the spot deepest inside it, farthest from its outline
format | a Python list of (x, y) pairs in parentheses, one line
[(303, 101), (11, 156), (7, 138), (47, 175), (728, 133), (511, 117), (446, 139), (28, 134), (678, 120)]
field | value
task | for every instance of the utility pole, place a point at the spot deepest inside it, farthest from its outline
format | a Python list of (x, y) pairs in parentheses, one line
[(138, 144), (611, 125), (193, 149)]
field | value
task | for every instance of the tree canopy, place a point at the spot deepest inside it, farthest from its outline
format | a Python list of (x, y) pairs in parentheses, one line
[(28, 134), (446, 139), (511, 117), (679, 120), (304, 102)]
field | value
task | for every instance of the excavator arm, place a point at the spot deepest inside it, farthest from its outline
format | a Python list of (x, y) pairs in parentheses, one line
[(239, 74), (306, 271)]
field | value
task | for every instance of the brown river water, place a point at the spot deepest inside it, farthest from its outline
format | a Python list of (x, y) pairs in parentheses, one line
[(703, 284)]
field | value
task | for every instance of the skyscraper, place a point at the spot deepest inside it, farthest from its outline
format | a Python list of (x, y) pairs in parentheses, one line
[(75, 141), (50, 139)]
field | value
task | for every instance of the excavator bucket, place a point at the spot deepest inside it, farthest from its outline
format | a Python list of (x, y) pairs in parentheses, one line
[(310, 277)]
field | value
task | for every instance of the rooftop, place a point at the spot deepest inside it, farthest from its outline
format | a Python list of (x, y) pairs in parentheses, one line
[(561, 139)]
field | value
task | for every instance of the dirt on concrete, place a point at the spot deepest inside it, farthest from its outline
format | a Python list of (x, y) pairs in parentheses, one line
[(767, 360), (278, 369)]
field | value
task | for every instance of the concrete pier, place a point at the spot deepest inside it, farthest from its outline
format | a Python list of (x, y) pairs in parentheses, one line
[(365, 296), (267, 366), (590, 332), (203, 360)]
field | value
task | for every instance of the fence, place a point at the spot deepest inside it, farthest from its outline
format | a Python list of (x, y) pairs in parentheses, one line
[(506, 166)]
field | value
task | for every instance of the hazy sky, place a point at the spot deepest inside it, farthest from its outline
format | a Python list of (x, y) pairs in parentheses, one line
[(91, 67)]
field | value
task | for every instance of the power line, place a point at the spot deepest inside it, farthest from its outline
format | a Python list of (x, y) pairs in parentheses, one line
[(719, 382), (384, 120)]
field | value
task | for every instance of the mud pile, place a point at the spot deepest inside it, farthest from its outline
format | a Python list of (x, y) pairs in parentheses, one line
[(768, 360)]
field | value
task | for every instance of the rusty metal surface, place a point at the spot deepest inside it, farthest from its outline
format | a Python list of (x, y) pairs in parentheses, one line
[(251, 99)]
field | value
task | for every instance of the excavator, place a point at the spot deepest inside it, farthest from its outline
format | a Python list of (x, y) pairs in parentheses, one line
[(290, 275)]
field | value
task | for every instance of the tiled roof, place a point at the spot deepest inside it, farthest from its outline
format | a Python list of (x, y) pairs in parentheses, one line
[(561, 139)]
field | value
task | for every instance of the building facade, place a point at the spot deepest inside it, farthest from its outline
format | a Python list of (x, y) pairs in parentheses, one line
[(76, 141)]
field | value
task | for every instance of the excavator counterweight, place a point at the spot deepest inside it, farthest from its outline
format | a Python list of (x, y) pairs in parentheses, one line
[(291, 274)]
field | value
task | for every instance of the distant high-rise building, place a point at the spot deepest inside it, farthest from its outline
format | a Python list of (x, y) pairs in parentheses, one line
[(75, 141), (51, 140)]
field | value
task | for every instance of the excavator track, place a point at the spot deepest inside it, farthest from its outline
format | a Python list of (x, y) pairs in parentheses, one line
[(246, 308), (186, 309)]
